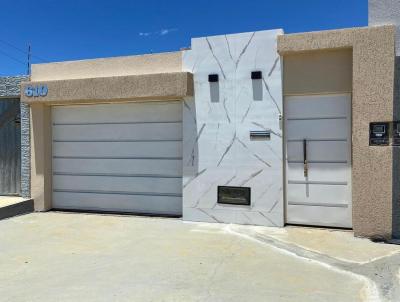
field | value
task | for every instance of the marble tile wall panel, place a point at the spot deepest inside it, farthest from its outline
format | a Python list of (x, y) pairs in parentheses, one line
[(217, 122)]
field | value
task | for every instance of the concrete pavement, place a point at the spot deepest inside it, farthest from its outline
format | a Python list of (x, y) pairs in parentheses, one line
[(88, 257)]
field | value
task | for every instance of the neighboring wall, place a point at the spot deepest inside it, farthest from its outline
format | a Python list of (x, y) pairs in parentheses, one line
[(10, 88), (388, 12), (372, 101), (217, 124), (384, 12)]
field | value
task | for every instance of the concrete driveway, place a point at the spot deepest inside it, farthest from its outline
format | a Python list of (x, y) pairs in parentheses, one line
[(81, 257)]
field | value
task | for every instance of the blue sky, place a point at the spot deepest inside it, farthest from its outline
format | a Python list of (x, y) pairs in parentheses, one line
[(61, 30)]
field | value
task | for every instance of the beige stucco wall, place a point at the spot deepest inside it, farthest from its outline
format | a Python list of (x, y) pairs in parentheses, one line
[(108, 67), (326, 71), (162, 86), (372, 91), (41, 157)]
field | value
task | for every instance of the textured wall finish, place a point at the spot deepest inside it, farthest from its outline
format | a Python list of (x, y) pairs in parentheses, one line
[(388, 12), (10, 86), (217, 122), (383, 12), (164, 86), (108, 67), (372, 101), (41, 156), (25, 151)]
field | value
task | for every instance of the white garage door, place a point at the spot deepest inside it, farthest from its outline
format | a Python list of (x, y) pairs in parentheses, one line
[(318, 160), (118, 157)]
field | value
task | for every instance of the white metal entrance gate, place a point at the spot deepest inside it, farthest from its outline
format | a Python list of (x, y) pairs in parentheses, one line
[(318, 160)]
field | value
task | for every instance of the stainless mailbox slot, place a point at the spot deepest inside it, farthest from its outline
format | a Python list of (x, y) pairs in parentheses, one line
[(260, 135)]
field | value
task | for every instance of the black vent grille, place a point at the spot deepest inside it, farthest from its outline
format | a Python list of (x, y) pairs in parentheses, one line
[(234, 195)]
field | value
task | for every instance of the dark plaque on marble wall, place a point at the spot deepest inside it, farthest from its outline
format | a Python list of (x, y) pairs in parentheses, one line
[(379, 134), (234, 195), (396, 133)]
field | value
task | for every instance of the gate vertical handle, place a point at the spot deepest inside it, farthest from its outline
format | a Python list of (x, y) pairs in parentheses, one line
[(305, 164)]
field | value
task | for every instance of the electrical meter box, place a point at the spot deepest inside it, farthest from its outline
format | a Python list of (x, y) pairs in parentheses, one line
[(379, 134), (396, 133)]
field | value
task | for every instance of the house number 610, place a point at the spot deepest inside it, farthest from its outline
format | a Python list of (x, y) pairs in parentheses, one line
[(37, 90)]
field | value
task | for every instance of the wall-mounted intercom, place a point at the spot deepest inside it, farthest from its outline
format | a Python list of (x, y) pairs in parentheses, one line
[(379, 134)]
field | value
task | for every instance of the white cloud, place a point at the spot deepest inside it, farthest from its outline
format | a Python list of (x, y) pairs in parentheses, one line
[(166, 31), (161, 32)]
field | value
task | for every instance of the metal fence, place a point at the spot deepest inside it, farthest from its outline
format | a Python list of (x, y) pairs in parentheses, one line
[(10, 147)]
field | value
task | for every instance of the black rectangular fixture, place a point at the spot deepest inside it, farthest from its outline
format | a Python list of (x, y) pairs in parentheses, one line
[(234, 195), (256, 75), (379, 134), (396, 133), (212, 78), (260, 135)]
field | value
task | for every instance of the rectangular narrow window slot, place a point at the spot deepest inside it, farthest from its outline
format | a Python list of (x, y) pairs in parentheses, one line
[(256, 75), (234, 195), (213, 78)]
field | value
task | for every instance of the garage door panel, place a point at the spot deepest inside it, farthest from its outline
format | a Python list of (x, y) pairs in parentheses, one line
[(118, 203), (121, 166), (115, 132), (156, 185), (118, 157), (118, 149), (100, 113)]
